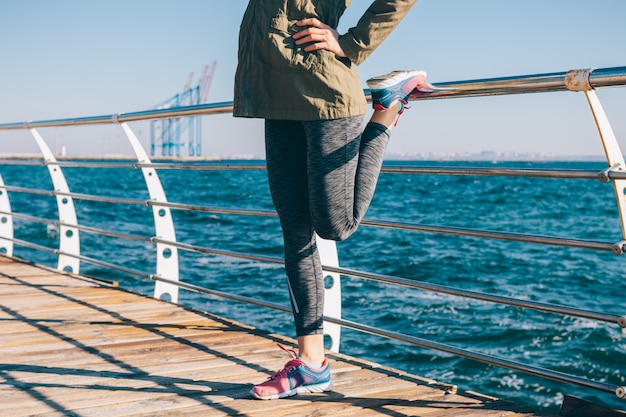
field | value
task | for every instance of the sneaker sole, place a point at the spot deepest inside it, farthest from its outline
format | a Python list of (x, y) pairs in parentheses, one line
[(407, 88), (383, 83), (304, 389)]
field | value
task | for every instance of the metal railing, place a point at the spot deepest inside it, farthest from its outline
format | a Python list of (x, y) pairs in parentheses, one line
[(166, 274)]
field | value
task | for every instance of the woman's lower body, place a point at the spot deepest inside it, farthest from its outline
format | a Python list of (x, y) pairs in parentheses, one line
[(322, 177)]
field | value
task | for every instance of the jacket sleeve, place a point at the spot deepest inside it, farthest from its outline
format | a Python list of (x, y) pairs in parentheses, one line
[(380, 19)]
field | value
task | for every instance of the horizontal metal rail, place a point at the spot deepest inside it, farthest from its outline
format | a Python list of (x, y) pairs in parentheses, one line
[(87, 229), (87, 259), (78, 196), (604, 175), (619, 391), (537, 83), (569, 311), (204, 166), (617, 248), (556, 81), (195, 110), (27, 190), (41, 162)]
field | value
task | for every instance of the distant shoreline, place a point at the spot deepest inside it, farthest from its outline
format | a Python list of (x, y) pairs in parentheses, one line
[(481, 156)]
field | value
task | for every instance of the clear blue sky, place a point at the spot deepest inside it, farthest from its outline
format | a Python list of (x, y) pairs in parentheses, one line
[(70, 58)]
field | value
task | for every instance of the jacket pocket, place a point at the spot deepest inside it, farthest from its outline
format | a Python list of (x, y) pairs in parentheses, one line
[(287, 55)]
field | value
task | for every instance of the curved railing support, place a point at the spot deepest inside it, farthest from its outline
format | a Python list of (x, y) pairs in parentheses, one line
[(167, 255), (578, 80), (6, 222), (69, 239), (332, 295)]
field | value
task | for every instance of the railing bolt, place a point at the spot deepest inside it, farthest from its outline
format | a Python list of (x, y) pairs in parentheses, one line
[(618, 247)]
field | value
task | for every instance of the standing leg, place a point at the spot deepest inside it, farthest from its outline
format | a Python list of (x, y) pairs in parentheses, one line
[(287, 175)]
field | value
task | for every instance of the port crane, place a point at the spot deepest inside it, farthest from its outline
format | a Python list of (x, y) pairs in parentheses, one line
[(172, 136)]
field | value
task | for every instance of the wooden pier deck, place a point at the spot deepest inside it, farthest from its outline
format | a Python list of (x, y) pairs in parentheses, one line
[(71, 346)]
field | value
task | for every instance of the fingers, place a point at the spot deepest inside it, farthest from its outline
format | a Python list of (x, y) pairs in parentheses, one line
[(318, 36), (315, 39), (312, 21), (315, 32), (311, 35)]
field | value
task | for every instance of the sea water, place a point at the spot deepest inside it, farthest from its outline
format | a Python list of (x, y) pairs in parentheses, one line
[(583, 278)]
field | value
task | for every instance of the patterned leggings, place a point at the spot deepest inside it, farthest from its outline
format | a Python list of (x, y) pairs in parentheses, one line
[(322, 176)]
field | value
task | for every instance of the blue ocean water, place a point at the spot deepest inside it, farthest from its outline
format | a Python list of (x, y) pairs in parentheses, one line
[(582, 278)]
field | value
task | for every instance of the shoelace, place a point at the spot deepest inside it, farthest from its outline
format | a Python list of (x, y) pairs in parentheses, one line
[(289, 366), (403, 106)]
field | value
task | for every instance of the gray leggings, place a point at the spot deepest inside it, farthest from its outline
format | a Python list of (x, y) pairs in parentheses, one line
[(322, 176)]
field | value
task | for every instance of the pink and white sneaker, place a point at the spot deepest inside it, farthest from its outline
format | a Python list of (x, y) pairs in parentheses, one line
[(294, 378)]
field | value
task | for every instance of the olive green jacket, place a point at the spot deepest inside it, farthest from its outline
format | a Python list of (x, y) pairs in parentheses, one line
[(276, 79)]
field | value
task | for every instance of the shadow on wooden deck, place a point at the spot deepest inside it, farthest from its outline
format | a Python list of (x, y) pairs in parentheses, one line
[(72, 346)]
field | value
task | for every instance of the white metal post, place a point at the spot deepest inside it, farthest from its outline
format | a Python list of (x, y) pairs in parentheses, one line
[(613, 153), (332, 295), (69, 240), (167, 255), (578, 80), (6, 222)]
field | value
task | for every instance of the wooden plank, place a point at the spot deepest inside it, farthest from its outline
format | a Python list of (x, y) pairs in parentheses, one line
[(71, 346)]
